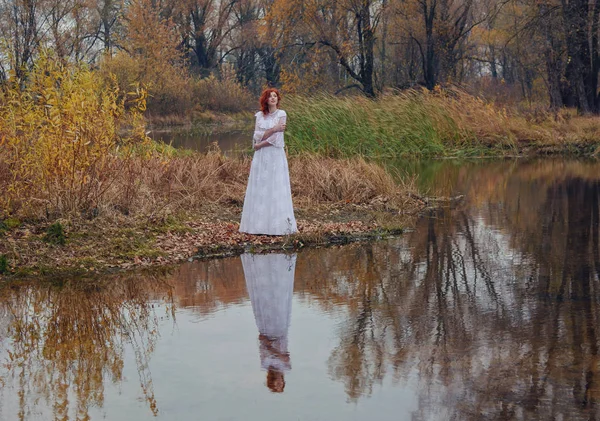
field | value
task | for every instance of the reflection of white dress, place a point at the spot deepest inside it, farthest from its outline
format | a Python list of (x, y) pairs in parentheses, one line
[(268, 207), (270, 283)]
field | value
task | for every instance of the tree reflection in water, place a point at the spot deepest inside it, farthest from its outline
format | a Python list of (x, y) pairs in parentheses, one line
[(63, 341), (494, 309)]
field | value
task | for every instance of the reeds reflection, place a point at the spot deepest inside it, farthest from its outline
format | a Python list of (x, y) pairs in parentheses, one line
[(494, 306), (64, 341), (270, 284)]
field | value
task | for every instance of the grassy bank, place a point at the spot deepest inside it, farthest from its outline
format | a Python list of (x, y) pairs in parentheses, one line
[(88, 194), (440, 123), (184, 206), (445, 122)]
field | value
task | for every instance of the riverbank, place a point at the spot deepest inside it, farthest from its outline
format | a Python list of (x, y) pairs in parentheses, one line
[(88, 195), (109, 244), (189, 206)]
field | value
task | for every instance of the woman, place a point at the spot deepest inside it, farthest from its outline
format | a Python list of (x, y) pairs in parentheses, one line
[(268, 207)]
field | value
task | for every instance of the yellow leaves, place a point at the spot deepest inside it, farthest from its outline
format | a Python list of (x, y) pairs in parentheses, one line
[(291, 83), (59, 130), (142, 75)]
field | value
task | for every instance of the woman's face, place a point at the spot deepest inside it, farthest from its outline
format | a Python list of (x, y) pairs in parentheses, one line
[(273, 99)]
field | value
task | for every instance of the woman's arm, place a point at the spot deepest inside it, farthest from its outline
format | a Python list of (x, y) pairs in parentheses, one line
[(258, 133), (279, 127)]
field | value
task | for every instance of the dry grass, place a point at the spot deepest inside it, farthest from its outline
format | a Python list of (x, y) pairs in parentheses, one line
[(477, 121), (515, 126), (162, 210), (158, 185), (562, 127), (186, 183), (317, 180)]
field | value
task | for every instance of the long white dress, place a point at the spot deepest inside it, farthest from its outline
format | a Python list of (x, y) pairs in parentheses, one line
[(268, 207), (270, 284)]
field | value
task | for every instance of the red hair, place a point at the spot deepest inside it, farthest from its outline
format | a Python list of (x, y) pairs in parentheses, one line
[(275, 381), (264, 99)]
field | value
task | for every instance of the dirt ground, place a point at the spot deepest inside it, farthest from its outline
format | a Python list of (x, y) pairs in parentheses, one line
[(104, 244)]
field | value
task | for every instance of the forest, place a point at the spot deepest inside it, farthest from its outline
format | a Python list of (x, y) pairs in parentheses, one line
[(218, 54)]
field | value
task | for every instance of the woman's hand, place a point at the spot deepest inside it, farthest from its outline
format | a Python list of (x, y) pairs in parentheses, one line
[(261, 145), (279, 127)]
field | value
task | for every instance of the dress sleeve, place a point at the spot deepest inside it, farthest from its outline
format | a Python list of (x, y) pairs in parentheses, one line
[(258, 132), (277, 138)]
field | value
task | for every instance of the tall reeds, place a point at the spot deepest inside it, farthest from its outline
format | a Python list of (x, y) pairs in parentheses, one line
[(411, 123)]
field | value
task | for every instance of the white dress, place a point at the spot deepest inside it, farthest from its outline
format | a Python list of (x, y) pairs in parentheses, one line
[(268, 207), (270, 284)]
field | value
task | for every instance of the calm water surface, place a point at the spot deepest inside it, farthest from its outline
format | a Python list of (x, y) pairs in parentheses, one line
[(232, 142), (486, 311)]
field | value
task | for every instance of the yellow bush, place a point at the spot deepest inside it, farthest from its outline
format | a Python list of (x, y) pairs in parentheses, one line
[(168, 86), (60, 135)]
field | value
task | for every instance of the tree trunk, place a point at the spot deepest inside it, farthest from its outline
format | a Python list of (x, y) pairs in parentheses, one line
[(595, 57), (246, 66), (367, 54), (554, 88), (25, 35), (384, 35), (106, 22), (430, 59), (579, 72), (493, 67), (554, 65), (271, 65)]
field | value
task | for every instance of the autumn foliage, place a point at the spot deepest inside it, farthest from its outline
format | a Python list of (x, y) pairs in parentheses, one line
[(64, 138), (535, 54)]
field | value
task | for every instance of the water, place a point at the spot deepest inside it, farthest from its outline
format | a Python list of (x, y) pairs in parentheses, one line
[(486, 311), (231, 142)]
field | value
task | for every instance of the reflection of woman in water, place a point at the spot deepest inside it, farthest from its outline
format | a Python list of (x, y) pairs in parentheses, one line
[(270, 283)]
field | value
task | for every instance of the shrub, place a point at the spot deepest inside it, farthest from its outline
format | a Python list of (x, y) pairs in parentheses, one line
[(169, 88), (55, 234), (59, 136)]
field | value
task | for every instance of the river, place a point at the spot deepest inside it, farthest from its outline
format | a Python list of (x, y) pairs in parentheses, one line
[(489, 310), (202, 139)]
